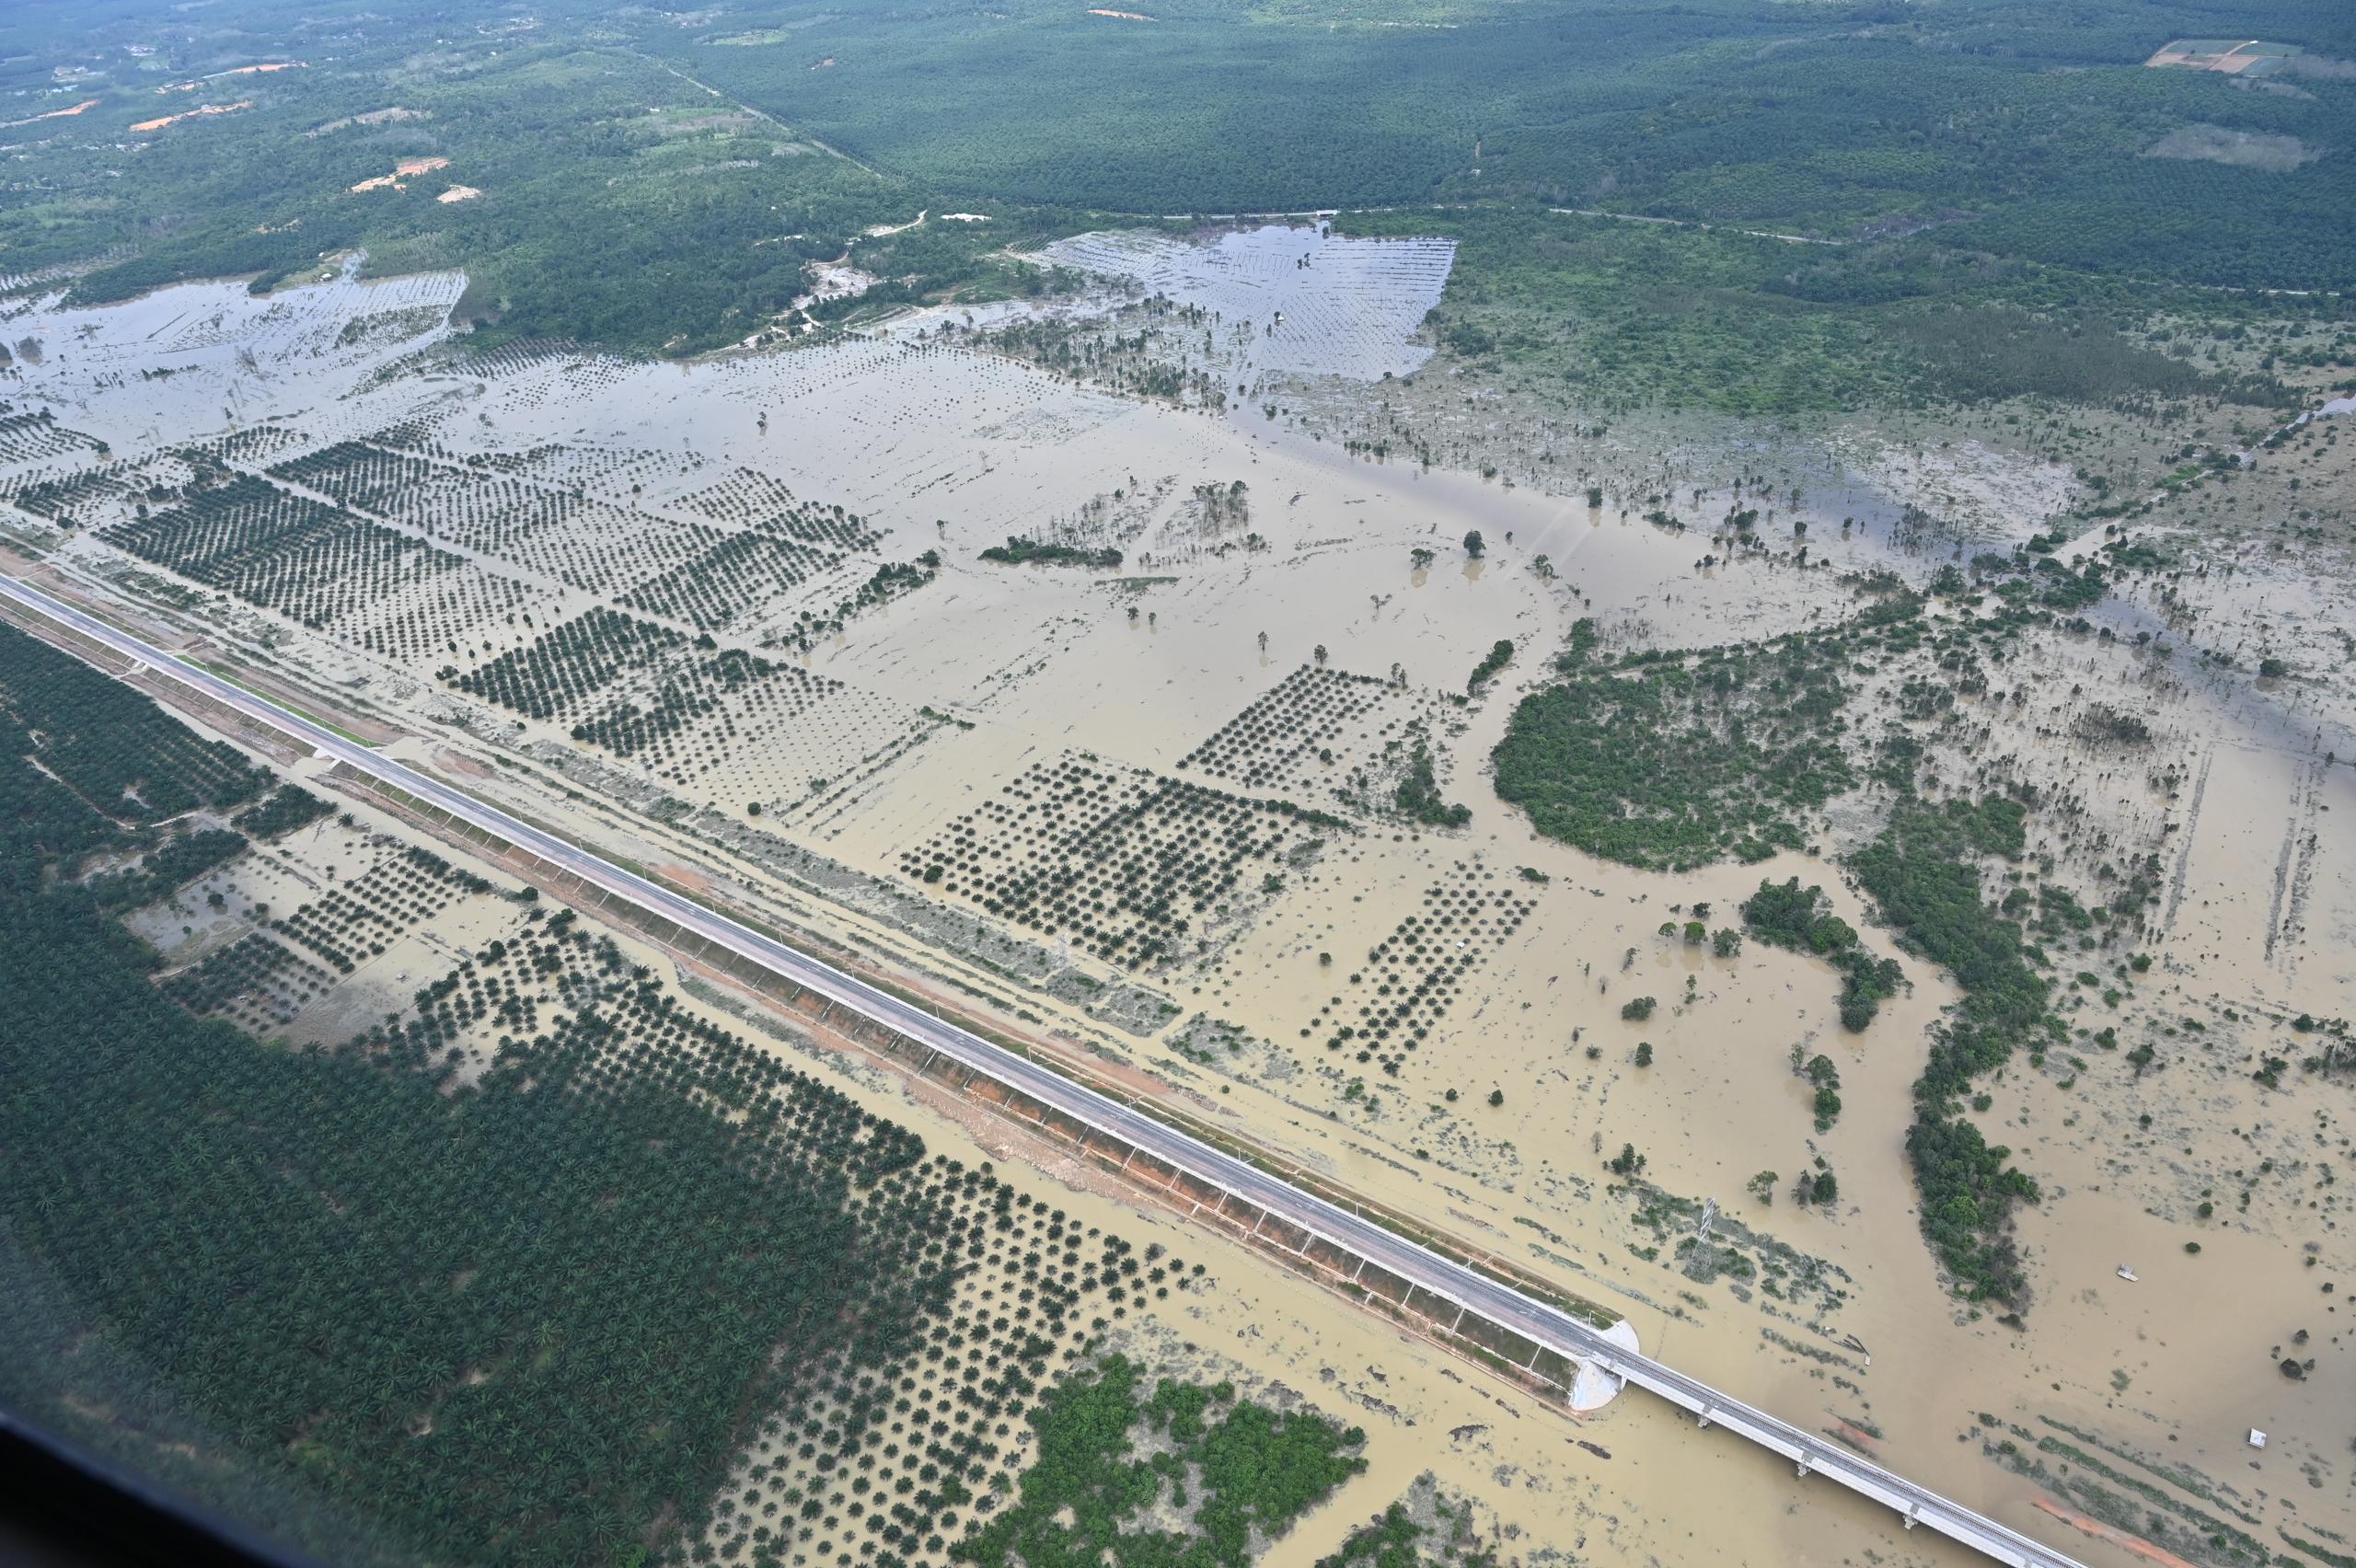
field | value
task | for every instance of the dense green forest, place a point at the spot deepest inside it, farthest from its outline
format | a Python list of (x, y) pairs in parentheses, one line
[(2027, 120), (1625, 315), (313, 1255), (620, 203), (657, 182)]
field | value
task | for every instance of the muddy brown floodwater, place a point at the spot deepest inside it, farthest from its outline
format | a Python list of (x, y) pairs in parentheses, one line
[(1261, 564)]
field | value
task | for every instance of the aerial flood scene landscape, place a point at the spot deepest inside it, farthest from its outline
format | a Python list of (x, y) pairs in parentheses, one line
[(1329, 786)]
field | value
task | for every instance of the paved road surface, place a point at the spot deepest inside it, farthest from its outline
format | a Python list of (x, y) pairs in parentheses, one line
[(1485, 1298)]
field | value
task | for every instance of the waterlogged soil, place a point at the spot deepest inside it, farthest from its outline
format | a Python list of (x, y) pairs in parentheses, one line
[(1535, 1479), (956, 691)]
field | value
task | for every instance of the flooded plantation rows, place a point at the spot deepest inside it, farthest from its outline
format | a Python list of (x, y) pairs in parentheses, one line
[(1142, 672)]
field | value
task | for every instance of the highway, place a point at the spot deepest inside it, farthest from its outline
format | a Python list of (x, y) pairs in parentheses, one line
[(1485, 1297)]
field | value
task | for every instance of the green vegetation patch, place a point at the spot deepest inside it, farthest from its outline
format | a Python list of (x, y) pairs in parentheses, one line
[(532, 1318), (1417, 794), (1801, 919), (1423, 1528), (1019, 552), (180, 860), (1997, 126), (1625, 315), (1500, 654), (1114, 1467), (658, 181), (1671, 760), (107, 744), (397, 1294), (1923, 872), (621, 203), (289, 807)]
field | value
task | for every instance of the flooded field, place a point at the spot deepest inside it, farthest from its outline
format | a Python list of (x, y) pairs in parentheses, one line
[(1140, 800), (1286, 298)]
